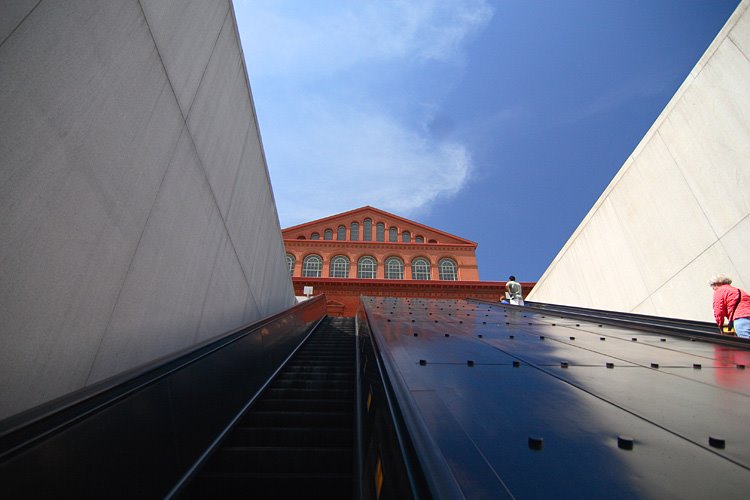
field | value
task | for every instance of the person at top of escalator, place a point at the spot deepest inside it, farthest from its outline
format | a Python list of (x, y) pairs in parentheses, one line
[(514, 291), (731, 303)]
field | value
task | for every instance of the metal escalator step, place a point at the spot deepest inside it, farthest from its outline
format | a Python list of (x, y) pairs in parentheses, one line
[(296, 441), (293, 368), (299, 419), (321, 405), (290, 393), (265, 459), (313, 384), (273, 486), (292, 436), (295, 375), (322, 359)]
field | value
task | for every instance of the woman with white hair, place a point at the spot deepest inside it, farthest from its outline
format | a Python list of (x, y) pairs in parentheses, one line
[(731, 303)]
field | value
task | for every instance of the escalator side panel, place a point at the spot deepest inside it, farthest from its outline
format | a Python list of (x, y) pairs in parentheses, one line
[(138, 442)]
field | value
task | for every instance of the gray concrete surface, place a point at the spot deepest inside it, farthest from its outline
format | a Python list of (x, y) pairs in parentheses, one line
[(136, 212), (678, 211)]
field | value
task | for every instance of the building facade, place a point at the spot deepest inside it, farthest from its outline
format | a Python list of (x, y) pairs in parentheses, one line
[(368, 251)]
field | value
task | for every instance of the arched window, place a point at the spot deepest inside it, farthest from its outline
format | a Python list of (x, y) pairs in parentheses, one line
[(315, 236), (448, 270), (406, 237), (341, 233), (394, 269), (328, 234), (432, 241), (420, 239), (367, 230), (312, 266), (380, 231), (366, 268), (420, 269), (300, 237), (393, 234), (290, 263), (339, 267), (354, 235)]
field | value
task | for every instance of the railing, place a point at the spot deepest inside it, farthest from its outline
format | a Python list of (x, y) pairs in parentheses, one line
[(387, 464), (398, 457), (657, 324), (137, 434)]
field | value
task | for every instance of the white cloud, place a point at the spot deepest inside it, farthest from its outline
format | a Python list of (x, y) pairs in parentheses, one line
[(337, 145), (287, 38), (341, 161)]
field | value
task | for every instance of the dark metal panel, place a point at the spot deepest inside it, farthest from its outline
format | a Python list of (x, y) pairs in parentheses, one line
[(490, 408), (465, 458)]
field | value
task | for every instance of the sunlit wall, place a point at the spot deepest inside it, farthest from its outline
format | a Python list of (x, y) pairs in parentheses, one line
[(677, 211), (137, 217)]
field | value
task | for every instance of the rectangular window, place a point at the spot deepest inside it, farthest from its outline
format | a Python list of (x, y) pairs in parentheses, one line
[(368, 230), (380, 231)]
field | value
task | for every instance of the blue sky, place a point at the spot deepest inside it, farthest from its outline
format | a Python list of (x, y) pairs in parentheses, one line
[(501, 122)]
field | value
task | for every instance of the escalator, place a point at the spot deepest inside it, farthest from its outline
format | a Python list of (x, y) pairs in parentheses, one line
[(296, 405), (296, 440)]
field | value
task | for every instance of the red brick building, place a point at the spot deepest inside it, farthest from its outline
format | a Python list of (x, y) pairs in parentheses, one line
[(368, 251)]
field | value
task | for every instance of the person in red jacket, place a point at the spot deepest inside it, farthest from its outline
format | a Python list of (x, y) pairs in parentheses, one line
[(731, 303)]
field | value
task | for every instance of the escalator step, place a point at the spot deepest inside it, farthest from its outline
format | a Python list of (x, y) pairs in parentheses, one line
[(274, 486), (298, 419), (292, 436), (313, 384), (287, 375), (287, 393), (264, 459), (293, 368), (320, 405), (297, 440), (318, 360)]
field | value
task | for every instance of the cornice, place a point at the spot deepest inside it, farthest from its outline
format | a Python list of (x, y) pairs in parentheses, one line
[(382, 283), (344, 217), (339, 244)]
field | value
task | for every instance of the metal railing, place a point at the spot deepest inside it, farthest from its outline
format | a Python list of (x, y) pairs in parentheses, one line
[(657, 324)]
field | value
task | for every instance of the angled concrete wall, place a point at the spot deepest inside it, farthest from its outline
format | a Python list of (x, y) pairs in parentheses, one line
[(136, 213), (678, 210)]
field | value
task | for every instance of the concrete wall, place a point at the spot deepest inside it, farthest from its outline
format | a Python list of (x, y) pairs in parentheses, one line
[(677, 211), (136, 212)]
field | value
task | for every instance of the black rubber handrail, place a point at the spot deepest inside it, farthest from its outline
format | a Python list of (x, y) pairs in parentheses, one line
[(215, 445), (358, 418), (151, 423), (655, 324), (405, 446), (29, 426), (683, 323), (418, 452)]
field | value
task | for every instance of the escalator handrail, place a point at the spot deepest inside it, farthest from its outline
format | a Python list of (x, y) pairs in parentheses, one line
[(358, 417), (412, 435), (31, 426), (669, 326), (183, 482), (699, 325)]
